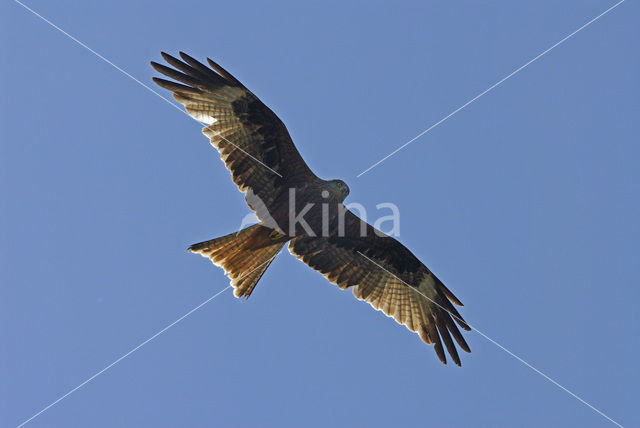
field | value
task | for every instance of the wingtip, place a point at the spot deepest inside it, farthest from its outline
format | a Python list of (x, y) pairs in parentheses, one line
[(156, 66), (162, 82), (440, 353), (189, 59), (185, 55), (165, 55), (455, 357)]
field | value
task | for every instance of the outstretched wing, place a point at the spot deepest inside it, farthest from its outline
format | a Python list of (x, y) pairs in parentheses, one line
[(253, 142), (386, 274)]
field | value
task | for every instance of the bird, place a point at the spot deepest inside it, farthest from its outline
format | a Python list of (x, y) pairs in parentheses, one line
[(266, 166)]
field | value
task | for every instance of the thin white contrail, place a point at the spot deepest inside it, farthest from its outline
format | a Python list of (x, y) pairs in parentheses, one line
[(100, 56), (123, 357), (574, 395), (139, 82), (142, 344), (489, 89)]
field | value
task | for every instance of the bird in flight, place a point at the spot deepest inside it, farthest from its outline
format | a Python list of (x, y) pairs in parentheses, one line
[(295, 206)]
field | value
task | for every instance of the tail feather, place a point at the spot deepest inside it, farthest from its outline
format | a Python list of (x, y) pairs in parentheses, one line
[(244, 256)]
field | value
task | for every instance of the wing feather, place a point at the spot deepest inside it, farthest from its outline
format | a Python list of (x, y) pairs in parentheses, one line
[(253, 142), (390, 278)]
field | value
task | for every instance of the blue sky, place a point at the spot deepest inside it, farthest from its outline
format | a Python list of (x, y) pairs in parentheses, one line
[(525, 203)]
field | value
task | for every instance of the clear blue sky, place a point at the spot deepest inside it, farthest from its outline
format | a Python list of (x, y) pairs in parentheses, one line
[(525, 203)]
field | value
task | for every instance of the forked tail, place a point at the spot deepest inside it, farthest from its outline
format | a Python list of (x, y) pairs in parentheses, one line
[(244, 255)]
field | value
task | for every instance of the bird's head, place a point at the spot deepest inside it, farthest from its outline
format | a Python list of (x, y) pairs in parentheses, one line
[(339, 189)]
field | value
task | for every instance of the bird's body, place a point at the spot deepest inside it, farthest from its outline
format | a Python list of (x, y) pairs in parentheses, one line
[(295, 206), (319, 199)]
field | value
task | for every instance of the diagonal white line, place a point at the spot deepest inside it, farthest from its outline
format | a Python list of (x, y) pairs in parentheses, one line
[(489, 89), (141, 345), (97, 54), (577, 397), (124, 356), (135, 79)]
